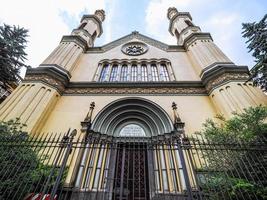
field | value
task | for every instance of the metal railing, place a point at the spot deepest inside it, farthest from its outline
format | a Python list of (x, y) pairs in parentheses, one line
[(62, 167)]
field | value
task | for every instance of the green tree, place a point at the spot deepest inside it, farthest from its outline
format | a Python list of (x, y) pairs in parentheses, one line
[(245, 127), (12, 53), (256, 33), (232, 155), (22, 168)]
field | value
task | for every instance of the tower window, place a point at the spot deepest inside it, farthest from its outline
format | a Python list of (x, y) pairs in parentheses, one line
[(103, 73), (164, 72), (144, 73), (114, 72), (124, 71), (94, 35), (189, 23), (154, 70), (82, 25), (134, 73)]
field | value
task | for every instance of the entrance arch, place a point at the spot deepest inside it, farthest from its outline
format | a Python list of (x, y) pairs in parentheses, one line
[(132, 152), (139, 111)]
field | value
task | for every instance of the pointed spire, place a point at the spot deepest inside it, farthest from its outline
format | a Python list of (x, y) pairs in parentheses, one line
[(178, 124)]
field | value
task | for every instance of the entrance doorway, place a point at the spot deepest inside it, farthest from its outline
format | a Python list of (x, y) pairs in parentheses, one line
[(131, 180)]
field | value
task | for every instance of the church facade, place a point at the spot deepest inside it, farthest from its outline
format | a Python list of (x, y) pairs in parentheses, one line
[(133, 87)]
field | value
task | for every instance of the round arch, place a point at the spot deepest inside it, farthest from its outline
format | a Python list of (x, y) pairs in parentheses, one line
[(139, 111)]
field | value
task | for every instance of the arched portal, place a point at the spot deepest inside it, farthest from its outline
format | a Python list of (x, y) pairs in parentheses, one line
[(132, 152), (138, 115)]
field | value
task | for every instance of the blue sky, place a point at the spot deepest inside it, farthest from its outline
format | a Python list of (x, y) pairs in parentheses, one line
[(49, 20)]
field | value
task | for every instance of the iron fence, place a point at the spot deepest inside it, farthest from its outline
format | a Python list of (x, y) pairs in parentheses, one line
[(63, 167)]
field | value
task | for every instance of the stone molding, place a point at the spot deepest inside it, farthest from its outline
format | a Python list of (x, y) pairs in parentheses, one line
[(222, 73), (76, 39), (196, 36), (49, 76), (224, 78), (133, 89), (136, 35), (47, 80)]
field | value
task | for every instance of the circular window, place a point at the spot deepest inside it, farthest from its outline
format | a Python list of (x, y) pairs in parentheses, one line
[(132, 130), (134, 48)]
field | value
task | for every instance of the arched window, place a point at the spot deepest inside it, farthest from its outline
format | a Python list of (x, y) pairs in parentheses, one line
[(82, 25), (144, 73), (94, 35), (124, 71), (189, 23), (134, 73), (164, 72), (154, 71), (114, 72), (177, 34), (103, 73)]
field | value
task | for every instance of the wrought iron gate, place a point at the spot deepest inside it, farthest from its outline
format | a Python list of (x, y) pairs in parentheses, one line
[(105, 167), (131, 173)]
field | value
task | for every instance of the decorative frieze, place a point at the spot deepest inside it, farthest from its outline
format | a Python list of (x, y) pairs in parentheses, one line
[(59, 85), (226, 77), (135, 90)]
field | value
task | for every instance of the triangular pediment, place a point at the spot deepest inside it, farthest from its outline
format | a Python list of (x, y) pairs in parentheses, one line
[(139, 37)]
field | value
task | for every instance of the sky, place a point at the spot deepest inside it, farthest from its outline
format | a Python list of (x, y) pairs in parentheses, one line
[(49, 20)]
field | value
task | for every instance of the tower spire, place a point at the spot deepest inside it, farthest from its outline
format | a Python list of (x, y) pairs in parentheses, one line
[(181, 25), (90, 27)]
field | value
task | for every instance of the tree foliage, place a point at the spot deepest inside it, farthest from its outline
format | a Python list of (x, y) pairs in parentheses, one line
[(22, 168), (256, 33), (12, 53), (233, 156), (246, 126)]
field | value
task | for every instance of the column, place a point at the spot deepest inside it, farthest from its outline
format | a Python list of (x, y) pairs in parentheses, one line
[(159, 71), (98, 71), (118, 72), (129, 72), (108, 72), (170, 71), (149, 72), (139, 72)]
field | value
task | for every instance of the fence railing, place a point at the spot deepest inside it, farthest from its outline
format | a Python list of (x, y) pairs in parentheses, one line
[(59, 166)]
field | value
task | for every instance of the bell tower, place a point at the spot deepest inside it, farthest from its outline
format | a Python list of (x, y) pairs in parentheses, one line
[(43, 86), (199, 45), (225, 82), (90, 27), (181, 25), (65, 56)]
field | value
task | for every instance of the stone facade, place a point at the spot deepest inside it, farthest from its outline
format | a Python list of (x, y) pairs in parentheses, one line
[(203, 80)]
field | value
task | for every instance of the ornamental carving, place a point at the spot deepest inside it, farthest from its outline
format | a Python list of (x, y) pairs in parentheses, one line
[(224, 78), (134, 48), (46, 79), (136, 90)]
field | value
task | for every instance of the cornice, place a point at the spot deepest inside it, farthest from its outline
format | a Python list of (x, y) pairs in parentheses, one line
[(76, 39), (215, 66), (122, 88), (107, 84), (49, 75), (196, 36), (222, 74)]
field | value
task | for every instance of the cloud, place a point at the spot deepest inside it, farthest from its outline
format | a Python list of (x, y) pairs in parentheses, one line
[(223, 23), (47, 22), (156, 17)]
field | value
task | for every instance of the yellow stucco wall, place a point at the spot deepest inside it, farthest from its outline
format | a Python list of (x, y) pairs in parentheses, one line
[(71, 110), (86, 66)]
